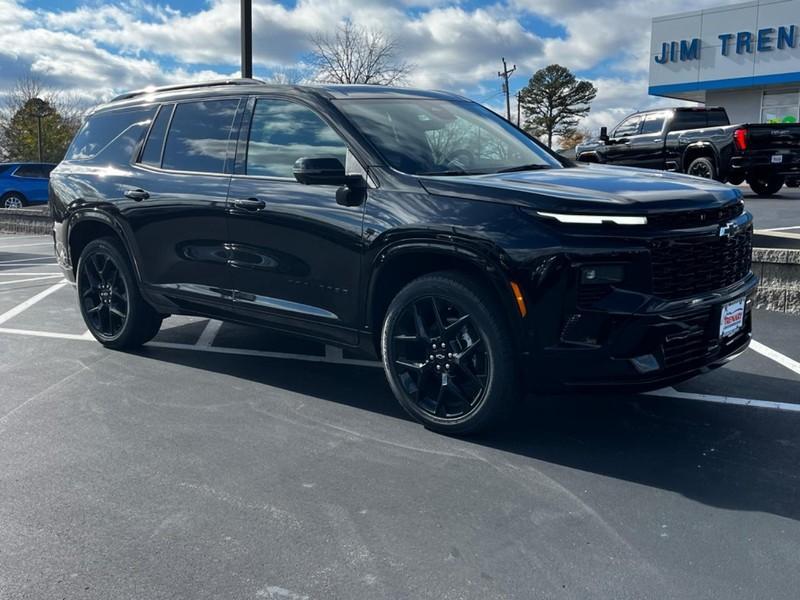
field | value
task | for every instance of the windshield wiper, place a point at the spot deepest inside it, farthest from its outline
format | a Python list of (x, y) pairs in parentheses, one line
[(444, 173), (531, 167)]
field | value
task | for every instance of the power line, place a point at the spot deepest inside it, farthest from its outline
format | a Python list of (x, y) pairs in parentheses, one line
[(505, 73)]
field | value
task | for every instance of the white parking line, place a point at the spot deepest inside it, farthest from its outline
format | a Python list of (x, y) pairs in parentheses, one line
[(12, 273), (15, 246), (209, 333), (5, 237), (779, 228), (25, 261), (30, 279), (47, 334), (779, 358), (19, 308), (673, 393)]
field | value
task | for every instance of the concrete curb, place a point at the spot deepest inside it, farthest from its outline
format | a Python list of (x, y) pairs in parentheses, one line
[(778, 270), (32, 221)]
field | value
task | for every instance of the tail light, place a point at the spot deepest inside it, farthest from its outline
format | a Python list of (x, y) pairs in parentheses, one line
[(740, 139)]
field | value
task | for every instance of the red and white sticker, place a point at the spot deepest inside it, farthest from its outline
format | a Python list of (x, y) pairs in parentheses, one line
[(732, 318)]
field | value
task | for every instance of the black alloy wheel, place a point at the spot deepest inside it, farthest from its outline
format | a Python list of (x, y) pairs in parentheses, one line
[(104, 295), (447, 354), (440, 358), (702, 167), (109, 299)]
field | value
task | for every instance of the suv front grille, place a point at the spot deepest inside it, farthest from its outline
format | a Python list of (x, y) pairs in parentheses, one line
[(696, 218), (687, 266)]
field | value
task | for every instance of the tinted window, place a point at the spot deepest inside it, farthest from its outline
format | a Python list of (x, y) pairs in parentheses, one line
[(151, 155), (653, 123), (689, 119), (629, 126), (198, 136), (29, 171), (281, 132), (717, 118), (116, 134)]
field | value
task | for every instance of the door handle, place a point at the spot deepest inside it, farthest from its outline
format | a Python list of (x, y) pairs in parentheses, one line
[(138, 195), (249, 203)]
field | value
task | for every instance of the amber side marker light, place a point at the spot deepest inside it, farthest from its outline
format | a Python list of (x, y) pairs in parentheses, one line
[(523, 310)]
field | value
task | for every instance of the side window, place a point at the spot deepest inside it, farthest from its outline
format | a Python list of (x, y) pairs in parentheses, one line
[(115, 133), (281, 132), (653, 123), (629, 126), (151, 155), (28, 171), (689, 119), (198, 136)]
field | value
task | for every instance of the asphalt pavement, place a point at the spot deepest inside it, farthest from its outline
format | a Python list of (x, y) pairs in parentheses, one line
[(780, 211), (223, 461)]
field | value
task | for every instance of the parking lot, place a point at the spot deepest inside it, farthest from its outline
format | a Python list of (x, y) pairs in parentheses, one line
[(222, 461)]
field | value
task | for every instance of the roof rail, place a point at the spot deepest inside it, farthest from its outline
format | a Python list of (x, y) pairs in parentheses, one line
[(186, 86)]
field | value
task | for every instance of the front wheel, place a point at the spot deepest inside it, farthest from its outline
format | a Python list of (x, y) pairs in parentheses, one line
[(448, 355), (110, 302), (766, 185)]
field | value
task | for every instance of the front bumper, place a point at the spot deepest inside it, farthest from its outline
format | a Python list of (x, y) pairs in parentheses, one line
[(659, 344)]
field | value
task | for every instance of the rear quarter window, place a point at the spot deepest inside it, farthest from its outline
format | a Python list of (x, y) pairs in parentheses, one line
[(114, 134)]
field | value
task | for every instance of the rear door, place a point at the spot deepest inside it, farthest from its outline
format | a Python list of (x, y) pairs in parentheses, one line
[(296, 253), (175, 203), (32, 181), (647, 147)]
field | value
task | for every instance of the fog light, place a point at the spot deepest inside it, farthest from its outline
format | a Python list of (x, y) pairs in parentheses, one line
[(602, 274), (645, 363)]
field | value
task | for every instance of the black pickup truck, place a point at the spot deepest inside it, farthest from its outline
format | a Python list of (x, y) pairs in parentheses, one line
[(702, 142)]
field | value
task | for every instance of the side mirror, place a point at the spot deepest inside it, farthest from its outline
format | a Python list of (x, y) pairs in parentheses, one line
[(353, 192), (319, 171), (604, 134)]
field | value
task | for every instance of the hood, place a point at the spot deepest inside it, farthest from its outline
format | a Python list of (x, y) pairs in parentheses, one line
[(590, 189)]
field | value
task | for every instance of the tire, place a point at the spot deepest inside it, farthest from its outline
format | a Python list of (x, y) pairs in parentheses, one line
[(766, 186), (793, 182), (702, 167), (469, 382), (110, 302), (14, 200)]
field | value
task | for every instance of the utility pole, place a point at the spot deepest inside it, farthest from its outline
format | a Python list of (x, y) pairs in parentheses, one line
[(505, 73), (247, 38), (519, 112)]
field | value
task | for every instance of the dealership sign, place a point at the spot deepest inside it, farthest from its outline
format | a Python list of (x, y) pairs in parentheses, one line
[(765, 40)]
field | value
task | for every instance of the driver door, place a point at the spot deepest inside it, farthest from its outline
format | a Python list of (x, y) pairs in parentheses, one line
[(295, 252), (620, 150)]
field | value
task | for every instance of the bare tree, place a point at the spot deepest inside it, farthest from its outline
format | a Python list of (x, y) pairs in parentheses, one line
[(288, 76), (354, 54), (24, 107)]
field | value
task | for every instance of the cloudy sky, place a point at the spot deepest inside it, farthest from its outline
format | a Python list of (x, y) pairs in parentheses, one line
[(97, 48)]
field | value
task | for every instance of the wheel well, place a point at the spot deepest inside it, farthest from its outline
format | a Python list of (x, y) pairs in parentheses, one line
[(699, 152), (14, 193), (588, 158), (83, 233), (400, 271)]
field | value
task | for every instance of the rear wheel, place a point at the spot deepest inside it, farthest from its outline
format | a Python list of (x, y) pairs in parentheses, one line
[(109, 298), (447, 354), (702, 167), (14, 200), (766, 185)]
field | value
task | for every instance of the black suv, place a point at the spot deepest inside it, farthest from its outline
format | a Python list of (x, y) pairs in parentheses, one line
[(415, 226)]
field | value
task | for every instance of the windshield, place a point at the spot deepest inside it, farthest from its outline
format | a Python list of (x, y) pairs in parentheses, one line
[(443, 137)]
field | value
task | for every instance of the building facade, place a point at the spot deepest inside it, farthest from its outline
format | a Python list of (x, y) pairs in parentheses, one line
[(743, 57)]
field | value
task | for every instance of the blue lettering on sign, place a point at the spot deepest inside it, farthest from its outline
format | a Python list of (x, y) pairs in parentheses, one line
[(744, 42)]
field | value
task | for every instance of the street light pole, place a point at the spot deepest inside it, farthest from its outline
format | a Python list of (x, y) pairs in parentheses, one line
[(247, 38), (39, 136), (40, 109)]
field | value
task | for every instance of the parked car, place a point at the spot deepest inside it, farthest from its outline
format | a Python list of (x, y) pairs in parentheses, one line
[(702, 142), (22, 184), (414, 226)]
